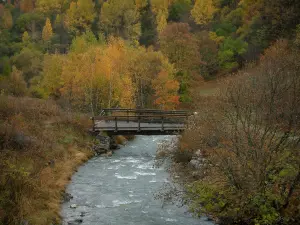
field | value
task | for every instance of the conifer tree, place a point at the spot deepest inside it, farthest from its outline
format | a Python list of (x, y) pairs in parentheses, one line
[(47, 30)]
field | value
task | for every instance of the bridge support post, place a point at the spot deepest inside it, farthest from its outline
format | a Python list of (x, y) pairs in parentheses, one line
[(116, 124), (139, 121)]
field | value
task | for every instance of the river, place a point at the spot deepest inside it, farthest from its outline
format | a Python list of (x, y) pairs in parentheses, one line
[(120, 190)]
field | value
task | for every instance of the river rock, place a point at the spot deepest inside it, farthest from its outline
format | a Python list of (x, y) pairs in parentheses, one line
[(75, 222), (73, 206), (195, 163), (198, 154), (99, 150), (109, 154), (66, 197)]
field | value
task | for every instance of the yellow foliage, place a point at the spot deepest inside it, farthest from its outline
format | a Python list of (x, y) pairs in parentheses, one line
[(47, 30), (203, 11)]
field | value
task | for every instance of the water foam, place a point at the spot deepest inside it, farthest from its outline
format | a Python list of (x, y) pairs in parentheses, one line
[(145, 174), (126, 177), (117, 203)]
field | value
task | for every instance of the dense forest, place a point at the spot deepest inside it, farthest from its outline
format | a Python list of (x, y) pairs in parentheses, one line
[(85, 55), (83, 52)]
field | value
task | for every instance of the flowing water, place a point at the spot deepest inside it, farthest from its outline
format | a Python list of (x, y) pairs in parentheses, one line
[(120, 190)]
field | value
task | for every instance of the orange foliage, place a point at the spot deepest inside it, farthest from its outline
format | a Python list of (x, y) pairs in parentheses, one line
[(166, 90)]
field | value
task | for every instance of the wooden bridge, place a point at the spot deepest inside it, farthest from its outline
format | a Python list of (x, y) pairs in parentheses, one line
[(140, 121)]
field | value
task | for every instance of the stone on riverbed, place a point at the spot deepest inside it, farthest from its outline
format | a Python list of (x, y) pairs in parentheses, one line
[(66, 197), (196, 163), (75, 222), (73, 206)]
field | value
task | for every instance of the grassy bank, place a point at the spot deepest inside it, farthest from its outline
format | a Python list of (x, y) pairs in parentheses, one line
[(41, 146)]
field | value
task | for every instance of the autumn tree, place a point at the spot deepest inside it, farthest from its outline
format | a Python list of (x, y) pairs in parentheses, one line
[(121, 18), (17, 84), (52, 75), (161, 10), (25, 38), (47, 30), (143, 72), (51, 7), (203, 11), (80, 16), (180, 46), (7, 20), (166, 91), (26, 6)]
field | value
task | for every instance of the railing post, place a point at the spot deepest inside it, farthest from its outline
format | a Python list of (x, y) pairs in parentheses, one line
[(139, 121), (127, 116), (162, 124), (93, 119), (116, 124)]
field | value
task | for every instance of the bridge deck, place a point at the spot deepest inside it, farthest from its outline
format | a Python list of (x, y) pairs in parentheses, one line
[(147, 122)]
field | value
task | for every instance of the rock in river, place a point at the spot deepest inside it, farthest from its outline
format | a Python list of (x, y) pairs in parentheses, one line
[(75, 222)]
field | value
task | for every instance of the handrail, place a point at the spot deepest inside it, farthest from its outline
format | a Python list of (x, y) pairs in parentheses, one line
[(140, 116), (155, 111)]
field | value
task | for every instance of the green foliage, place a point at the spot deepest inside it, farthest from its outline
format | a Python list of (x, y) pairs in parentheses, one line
[(178, 9), (31, 22), (148, 27), (80, 16), (121, 18), (29, 61), (5, 67), (230, 51)]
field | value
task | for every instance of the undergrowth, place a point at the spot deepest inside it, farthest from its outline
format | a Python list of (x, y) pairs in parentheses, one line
[(40, 147)]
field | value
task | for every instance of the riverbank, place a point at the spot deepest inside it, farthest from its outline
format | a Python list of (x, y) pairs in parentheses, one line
[(121, 189), (41, 147)]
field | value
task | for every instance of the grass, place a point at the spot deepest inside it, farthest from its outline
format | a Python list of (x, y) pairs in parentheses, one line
[(40, 148)]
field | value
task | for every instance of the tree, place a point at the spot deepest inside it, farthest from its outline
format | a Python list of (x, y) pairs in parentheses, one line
[(230, 51), (161, 10), (26, 6), (203, 11), (25, 38), (80, 16), (51, 7), (47, 30), (179, 9), (209, 54), (166, 91), (31, 22), (121, 18), (29, 61), (52, 75), (148, 27), (180, 46), (7, 19), (18, 86)]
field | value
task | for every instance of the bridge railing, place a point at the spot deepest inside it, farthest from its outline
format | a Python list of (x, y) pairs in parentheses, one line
[(162, 122), (146, 112)]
